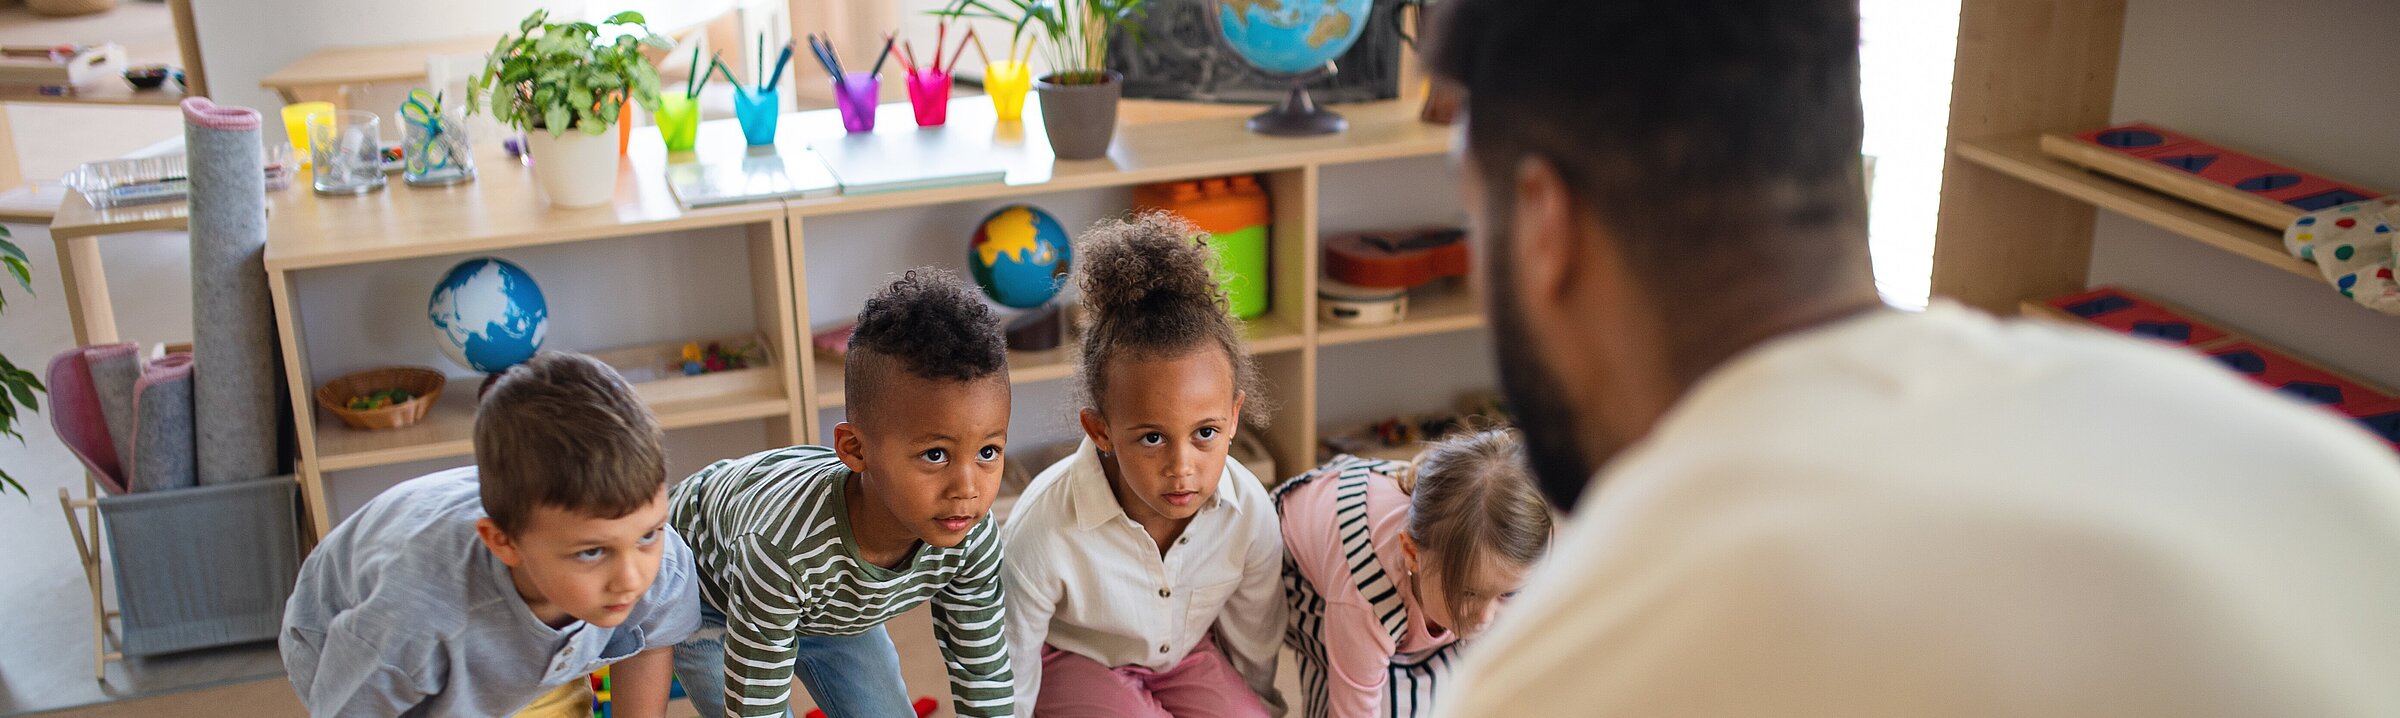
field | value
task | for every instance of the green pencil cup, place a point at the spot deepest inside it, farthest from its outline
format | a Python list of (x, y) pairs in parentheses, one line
[(1242, 269), (678, 121)]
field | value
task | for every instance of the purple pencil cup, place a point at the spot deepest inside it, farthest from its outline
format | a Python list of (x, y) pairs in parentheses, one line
[(855, 93), (929, 96)]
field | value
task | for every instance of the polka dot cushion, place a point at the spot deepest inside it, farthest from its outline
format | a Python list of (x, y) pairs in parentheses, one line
[(2354, 245)]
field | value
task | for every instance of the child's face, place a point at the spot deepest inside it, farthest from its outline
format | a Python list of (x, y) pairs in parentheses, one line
[(568, 565), (931, 455), (1166, 428), (1491, 585)]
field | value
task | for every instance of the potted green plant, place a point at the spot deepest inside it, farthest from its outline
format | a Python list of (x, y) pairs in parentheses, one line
[(563, 85), (1079, 96), (18, 387)]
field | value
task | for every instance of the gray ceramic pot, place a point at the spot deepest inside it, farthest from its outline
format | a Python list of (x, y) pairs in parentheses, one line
[(1080, 119)]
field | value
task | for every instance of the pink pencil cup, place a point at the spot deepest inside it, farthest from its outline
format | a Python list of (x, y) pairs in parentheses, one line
[(929, 95)]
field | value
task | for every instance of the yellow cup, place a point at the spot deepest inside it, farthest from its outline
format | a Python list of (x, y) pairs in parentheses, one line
[(1007, 82), (295, 125)]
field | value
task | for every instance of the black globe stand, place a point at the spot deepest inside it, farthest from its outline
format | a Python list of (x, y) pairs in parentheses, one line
[(1298, 116)]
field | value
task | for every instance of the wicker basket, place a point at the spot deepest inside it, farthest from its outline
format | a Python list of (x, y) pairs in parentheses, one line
[(69, 8), (425, 383)]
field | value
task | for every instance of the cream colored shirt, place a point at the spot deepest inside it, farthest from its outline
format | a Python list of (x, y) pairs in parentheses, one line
[(1947, 515), (1082, 577)]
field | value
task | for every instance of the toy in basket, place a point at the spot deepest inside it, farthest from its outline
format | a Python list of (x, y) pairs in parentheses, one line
[(386, 398)]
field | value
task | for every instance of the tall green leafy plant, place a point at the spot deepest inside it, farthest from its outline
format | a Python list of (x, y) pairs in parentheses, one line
[(19, 388), (563, 76), (1075, 32)]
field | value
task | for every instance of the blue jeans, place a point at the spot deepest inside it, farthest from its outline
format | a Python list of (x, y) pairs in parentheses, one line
[(849, 676)]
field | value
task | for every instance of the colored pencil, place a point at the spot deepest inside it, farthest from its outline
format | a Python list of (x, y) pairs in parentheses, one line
[(962, 50), (688, 90), (887, 53), (908, 57), (781, 61)]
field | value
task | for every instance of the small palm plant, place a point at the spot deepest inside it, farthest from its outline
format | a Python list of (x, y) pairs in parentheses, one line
[(1077, 31), (19, 388)]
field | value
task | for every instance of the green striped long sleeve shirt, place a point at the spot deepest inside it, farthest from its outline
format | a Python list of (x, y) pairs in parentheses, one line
[(770, 533)]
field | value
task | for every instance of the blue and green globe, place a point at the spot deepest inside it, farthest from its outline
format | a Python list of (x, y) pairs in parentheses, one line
[(1289, 37), (1020, 256), (488, 314)]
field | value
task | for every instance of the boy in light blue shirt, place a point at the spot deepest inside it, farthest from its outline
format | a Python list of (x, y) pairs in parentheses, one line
[(484, 590)]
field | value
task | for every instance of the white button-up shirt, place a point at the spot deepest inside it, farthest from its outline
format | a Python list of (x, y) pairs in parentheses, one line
[(1084, 578)]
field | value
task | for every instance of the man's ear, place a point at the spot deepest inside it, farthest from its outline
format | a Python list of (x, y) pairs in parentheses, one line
[(1546, 234), (1096, 428), (851, 447), (498, 541)]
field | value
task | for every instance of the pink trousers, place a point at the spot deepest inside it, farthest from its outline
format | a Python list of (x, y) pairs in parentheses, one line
[(1203, 685)]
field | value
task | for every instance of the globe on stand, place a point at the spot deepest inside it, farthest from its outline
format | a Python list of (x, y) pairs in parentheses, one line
[(1020, 255), (1293, 38)]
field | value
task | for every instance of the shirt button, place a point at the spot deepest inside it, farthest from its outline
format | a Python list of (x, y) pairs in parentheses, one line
[(1162, 649), (1163, 593), (1182, 541)]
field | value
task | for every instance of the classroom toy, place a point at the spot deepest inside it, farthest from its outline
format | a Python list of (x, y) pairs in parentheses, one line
[(59, 69), (1298, 41), (2203, 172), (1020, 256), (488, 314), (1348, 305), (2127, 314), (434, 150), (1236, 214), (1396, 260)]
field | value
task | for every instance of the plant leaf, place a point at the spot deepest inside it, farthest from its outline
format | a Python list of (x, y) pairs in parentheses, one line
[(17, 268), (24, 395), (555, 118), (628, 17), (8, 248), (8, 482)]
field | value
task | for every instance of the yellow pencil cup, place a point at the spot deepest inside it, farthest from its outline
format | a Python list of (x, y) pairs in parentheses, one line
[(1007, 82)]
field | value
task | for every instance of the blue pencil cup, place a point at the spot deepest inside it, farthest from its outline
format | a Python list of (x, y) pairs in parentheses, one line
[(756, 109)]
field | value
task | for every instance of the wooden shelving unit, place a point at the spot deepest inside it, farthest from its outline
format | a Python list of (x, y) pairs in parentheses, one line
[(2021, 157), (502, 210)]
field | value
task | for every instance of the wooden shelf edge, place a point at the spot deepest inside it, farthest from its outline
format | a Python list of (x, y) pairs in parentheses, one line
[(705, 218), (674, 415), (2021, 157), (1404, 329)]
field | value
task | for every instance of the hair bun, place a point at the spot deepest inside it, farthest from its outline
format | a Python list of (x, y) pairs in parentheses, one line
[(1148, 262)]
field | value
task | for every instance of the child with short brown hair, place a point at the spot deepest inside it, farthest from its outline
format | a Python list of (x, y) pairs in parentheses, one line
[(483, 589), (1144, 572)]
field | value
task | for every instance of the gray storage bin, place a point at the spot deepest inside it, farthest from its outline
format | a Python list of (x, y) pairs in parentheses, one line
[(203, 567)]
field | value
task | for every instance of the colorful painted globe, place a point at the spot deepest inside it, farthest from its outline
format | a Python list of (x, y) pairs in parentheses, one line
[(488, 314), (1289, 37), (1020, 256)]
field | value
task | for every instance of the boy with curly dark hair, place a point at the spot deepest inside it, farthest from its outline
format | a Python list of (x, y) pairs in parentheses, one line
[(805, 552)]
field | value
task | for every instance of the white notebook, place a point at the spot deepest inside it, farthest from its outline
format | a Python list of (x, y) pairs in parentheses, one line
[(759, 174), (906, 158)]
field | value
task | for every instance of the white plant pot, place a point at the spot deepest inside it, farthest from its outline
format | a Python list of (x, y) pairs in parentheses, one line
[(575, 169)]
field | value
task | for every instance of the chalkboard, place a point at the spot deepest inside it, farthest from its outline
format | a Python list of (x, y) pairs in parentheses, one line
[(1181, 57)]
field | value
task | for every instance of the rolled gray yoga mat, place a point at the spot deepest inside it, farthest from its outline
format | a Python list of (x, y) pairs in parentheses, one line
[(233, 322), (115, 367), (162, 441)]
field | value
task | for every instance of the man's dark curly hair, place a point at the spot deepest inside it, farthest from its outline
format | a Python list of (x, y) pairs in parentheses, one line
[(925, 322)]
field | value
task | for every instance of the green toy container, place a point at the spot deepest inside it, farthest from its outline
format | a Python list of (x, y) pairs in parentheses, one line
[(1235, 213)]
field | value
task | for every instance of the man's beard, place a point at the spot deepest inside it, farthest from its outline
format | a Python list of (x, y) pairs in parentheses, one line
[(1545, 417)]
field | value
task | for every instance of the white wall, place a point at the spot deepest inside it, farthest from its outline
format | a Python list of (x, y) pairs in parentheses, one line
[(2308, 84), (241, 41)]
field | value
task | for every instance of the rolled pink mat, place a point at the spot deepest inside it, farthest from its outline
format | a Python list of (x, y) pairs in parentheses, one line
[(114, 368), (75, 412), (163, 449), (200, 111)]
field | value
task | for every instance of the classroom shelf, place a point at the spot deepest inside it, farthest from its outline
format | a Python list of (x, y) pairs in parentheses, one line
[(106, 91), (1429, 312), (2020, 156), (1266, 336), (449, 430)]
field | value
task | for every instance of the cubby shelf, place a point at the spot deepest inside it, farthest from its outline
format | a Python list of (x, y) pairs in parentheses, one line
[(1266, 336), (2021, 157), (503, 210), (450, 428)]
